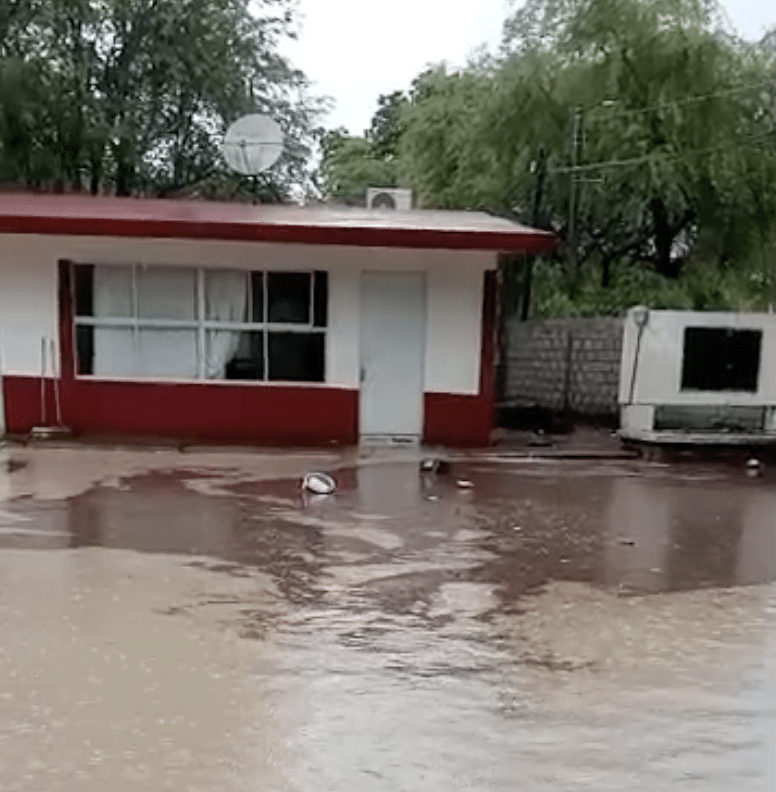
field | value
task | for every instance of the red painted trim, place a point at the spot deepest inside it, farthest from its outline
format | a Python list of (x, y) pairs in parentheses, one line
[(80, 215), (66, 325), (457, 421), (194, 411), (416, 238), (467, 421)]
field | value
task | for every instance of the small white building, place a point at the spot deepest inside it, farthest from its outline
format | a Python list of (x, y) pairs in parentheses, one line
[(698, 377), (236, 323)]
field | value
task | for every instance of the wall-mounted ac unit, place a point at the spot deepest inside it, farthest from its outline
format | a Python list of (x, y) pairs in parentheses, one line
[(388, 198)]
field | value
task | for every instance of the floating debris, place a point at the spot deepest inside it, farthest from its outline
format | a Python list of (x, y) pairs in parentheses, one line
[(754, 467), (623, 540), (464, 484), (319, 483), (434, 466)]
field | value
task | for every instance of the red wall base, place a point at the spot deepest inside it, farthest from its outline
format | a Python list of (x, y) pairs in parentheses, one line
[(194, 412), (458, 421), (223, 414)]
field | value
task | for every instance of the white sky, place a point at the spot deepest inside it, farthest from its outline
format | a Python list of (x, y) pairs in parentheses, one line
[(355, 50)]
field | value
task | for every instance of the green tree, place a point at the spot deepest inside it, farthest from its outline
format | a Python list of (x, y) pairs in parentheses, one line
[(349, 165), (385, 130), (675, 151), (132, 95)]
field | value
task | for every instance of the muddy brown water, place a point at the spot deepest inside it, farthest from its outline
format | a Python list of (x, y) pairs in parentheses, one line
[(194, 622)]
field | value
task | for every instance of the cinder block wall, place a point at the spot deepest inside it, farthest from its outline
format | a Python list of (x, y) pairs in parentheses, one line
[(546, 358)]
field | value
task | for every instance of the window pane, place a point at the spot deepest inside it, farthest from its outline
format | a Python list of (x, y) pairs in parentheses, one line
[(257, 296), (721, 359), (114, 352), (166, 293), (288, 296), (226, 295), (235, 355), (296, 357), (112, 295), (167, 353), (84, 347), (321, 299), (83, 289)]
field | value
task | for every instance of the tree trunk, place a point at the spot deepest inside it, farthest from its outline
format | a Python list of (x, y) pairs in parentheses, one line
[(664, 240), (606, 273)]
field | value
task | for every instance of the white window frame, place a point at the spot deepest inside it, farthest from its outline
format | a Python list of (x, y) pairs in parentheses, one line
[(202, 325)]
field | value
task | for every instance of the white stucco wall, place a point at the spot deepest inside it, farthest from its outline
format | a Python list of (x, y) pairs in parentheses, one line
[(659, 372), (28, 295)]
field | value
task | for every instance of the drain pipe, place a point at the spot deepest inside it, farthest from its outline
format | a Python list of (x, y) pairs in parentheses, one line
[(641, 316)]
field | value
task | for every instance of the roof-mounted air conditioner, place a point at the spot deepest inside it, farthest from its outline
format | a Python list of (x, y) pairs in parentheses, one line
[(388, 198)]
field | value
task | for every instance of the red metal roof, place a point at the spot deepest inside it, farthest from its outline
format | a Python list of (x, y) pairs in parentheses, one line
[(80, 215)]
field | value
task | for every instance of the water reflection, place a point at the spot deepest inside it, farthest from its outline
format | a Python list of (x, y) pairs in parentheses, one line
[(687, 536), (631, 530)]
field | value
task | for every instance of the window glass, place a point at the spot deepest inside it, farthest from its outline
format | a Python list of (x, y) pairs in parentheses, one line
[(237, 355), (226, 296), (167, 293), (83, 289), (114, 352), (257, 296), (112, 292), (321, 299), (148, 299), (721, 359), (167, 353), (84, 344), (288, 297), (296, 357)]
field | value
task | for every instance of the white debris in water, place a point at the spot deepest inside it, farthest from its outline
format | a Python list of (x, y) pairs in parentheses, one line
[(319, 483)]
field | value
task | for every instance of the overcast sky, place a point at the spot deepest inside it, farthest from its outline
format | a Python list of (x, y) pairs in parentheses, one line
[(355, 50)]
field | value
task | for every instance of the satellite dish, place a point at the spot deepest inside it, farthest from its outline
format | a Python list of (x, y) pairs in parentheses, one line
[(252, 144)]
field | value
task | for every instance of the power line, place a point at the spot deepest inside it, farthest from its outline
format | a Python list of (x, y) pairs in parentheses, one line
[(603, 113), (591, 166)]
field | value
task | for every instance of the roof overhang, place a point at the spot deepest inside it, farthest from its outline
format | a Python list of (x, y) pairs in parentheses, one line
[(78, 215)]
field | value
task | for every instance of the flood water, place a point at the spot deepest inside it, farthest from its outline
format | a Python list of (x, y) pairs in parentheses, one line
[(191, 621)]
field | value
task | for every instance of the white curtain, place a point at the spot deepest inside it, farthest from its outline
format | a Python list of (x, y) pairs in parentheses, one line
[(165, 293), (226, 300)]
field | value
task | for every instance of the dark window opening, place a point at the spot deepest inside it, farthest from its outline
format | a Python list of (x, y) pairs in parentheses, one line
[(288, 297), (320, 299), (84, 346), (297, 357), (248, 361), (257, 296), (721, 359), (84, 289)]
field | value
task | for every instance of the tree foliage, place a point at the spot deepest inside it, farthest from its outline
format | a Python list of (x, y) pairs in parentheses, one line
[(132, 95), (674, 157)]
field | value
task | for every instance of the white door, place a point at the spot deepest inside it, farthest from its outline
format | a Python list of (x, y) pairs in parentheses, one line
[(393, 325)]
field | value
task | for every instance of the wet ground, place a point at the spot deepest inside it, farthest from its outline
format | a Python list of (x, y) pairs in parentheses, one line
[(191, 621)]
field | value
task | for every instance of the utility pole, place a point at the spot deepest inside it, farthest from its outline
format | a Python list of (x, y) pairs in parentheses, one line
[(576, 156), (541, 174)]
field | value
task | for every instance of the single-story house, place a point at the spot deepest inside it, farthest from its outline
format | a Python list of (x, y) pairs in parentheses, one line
[(230, 322), (698, 377)]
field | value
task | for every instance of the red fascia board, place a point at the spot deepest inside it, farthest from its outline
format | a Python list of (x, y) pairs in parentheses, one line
[(306, 234)]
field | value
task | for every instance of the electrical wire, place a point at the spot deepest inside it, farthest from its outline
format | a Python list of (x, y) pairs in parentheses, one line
[(632, 161), (603, 112)]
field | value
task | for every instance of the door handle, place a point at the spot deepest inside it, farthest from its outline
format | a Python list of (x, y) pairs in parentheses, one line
[(361, 375)]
